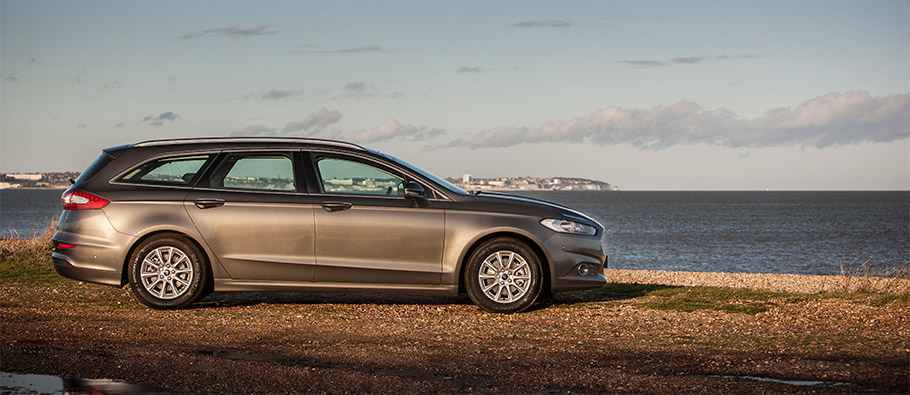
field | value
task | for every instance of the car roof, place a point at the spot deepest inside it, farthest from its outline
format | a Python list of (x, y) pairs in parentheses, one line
[(248, 140)]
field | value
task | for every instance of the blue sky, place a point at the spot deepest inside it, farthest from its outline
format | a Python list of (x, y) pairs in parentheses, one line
[(715, 95)]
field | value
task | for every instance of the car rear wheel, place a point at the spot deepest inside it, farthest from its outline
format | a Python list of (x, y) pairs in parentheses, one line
[(503, 276), (167, 271)]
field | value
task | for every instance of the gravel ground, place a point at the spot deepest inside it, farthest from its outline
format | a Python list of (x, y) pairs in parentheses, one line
[(590, 342)]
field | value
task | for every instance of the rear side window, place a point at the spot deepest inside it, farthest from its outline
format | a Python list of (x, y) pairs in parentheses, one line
[(258, 172), (167, 171)]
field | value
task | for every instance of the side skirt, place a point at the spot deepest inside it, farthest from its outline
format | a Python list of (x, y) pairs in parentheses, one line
[(228, 285)]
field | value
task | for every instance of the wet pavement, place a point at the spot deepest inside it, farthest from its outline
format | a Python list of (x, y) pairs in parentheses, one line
[(14, 383)]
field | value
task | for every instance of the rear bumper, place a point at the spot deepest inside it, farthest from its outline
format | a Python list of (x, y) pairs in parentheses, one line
[(66, 269), (97, 249)]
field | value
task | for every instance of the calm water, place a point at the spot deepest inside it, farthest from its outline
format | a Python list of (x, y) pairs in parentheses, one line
[(27, 211), (757, 232)]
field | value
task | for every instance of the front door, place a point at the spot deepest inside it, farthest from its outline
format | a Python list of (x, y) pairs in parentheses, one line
[(367, 232)]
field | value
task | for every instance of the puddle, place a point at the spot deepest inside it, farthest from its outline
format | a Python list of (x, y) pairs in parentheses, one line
[(14, 383), (802, 383)]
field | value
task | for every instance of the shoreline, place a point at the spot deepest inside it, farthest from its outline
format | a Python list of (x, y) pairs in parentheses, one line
[(798, 283)]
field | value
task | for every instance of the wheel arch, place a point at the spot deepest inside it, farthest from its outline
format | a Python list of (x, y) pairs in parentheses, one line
[(535, 246), (207, 260)]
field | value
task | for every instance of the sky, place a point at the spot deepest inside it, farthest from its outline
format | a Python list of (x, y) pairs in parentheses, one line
[(645, 95)]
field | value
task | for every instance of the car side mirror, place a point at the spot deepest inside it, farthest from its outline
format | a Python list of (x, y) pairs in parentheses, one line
[(415, 191)]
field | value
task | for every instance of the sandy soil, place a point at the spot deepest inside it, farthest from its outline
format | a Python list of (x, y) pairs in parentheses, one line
[(580, 342)]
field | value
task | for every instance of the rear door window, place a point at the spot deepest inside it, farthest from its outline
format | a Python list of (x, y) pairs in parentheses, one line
[(167, 171), (256, 172)]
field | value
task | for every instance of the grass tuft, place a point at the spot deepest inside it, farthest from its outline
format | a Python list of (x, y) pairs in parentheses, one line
[(35, 246), (866, 276), (630, 291), (730, 300)]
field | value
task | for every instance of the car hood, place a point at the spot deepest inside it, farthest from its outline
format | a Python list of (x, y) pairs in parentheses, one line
[(529, 206)]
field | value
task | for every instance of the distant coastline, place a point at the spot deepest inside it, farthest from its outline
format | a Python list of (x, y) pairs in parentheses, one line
[(61, 180), (52, 180)]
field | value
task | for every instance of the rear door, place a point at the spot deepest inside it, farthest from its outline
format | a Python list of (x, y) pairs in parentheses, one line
[(255, 216), (366, 231)]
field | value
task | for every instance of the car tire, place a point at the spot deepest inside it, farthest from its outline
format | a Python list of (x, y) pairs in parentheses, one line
[(168, 271), (503, 275)]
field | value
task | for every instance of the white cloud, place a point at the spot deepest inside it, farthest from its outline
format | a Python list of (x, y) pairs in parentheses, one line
[(832, 119), (158, 120), (254, 130), (645, 63), (231, 32), (550, 23), (274, 94), (394, 130), (317, 49), (475, 70), (315, 122)]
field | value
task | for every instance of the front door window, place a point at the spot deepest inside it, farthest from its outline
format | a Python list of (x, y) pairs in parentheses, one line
[(341, 176)]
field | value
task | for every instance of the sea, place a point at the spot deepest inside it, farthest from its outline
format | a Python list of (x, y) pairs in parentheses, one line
[(736, 232)]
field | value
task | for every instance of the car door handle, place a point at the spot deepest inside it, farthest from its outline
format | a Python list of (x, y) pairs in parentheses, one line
[(336, 206), (208, 202)]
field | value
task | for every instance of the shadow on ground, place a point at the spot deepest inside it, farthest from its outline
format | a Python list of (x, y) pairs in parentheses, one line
[(609, 292)]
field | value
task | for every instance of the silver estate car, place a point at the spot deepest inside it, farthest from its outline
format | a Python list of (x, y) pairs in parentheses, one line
[(177, 219)]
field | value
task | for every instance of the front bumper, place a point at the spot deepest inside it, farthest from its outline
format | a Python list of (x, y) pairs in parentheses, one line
[(570, 255)]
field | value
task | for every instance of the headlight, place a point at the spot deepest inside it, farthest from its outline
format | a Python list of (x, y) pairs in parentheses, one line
[(566, 226)]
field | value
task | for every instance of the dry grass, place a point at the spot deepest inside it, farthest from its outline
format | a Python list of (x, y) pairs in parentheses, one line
[(864, 275), (35, 246)]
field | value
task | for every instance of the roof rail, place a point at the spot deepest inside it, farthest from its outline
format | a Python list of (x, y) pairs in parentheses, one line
[(202, 140)]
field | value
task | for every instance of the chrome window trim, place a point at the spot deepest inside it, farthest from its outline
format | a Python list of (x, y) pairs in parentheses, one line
[(340, 196), (209, 189), (187, 187)]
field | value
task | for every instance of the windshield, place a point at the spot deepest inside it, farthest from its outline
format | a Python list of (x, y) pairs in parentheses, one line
[(441, 181)]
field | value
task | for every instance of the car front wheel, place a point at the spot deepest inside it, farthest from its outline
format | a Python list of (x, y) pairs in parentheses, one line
[(167, 271), (503, 276)]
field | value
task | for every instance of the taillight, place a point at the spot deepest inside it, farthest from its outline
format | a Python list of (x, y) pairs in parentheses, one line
[(78, 200)]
